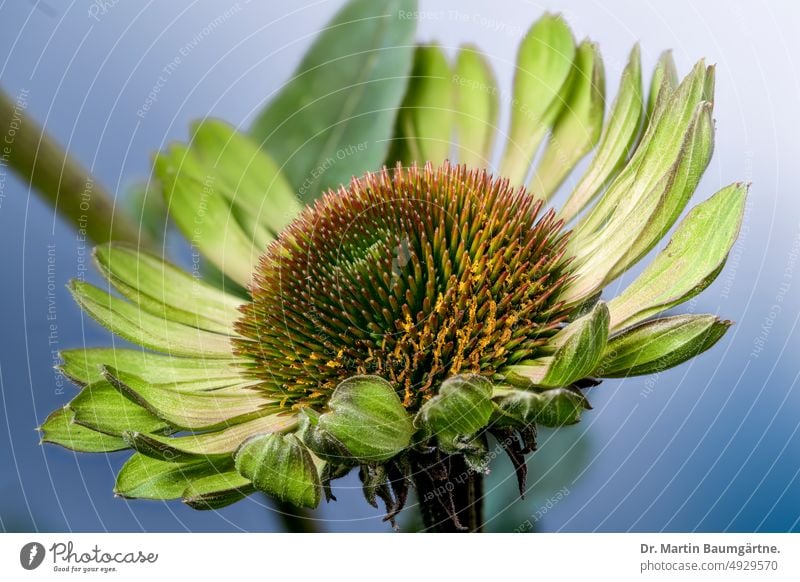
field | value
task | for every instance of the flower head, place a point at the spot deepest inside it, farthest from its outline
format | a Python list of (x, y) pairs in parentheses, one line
[(399, 321)]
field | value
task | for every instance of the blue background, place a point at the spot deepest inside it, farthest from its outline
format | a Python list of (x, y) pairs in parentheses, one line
[(709, 446)]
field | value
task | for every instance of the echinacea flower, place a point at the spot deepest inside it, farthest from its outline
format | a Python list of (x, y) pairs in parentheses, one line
[(398, 322)]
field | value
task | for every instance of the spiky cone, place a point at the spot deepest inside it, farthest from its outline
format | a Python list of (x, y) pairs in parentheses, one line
[(399, 323)]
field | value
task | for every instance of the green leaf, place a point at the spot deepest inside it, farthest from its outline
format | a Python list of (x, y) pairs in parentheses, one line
[(143, 477), (544, 62), (577, 128), (217, 491), (247, 175), (184, 406), (150, 331), (660, 344), (553, 408), (333, 119), (101, 407), (424, 131), (366, 421), (578, 349), (617, 141), (145, 205), (165, 290), (690, 262), (280, 466), (477, 107), (60, 429), (663, 83), (210, 445), (84, 366), (206, 217), (461, 408)]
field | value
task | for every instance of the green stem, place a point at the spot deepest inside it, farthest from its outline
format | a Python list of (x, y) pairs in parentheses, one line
[(66, 185)]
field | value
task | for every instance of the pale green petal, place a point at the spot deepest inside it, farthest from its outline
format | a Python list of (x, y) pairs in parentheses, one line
[(578, 349), (252, 180), (60, 429), (165, 290), (663, 83), (186, 407), (578, 126), (205, 216), (210, 444), (148, 330), (101, 407), (143, 477), (688, 264), (553, 408), (477, 107), (84, 366), (659, 344), (617, 141), (544, 62), (217, 490), (425, 121), (282, 467)]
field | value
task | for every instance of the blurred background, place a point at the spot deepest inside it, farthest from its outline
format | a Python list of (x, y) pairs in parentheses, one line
[(712, 445)]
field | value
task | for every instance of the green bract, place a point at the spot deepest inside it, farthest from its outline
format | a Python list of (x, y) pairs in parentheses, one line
[(395, 324)]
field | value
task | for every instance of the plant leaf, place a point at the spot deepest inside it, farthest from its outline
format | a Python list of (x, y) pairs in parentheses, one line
[(663, 83), (659, 344), (477, 107), (334, 117), (553, 408), (60, 429), (460, 409), (366, 421), (544, 62), (690, 262), (577, 128), (217, 491), (280, 466), (143, 477)]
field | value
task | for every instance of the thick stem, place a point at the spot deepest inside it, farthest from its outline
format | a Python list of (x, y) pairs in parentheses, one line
[(450, 493), (69, 188)]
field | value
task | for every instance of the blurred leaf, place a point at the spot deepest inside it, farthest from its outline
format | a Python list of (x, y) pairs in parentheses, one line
[(334, 118), (145, 204), (477, 107)]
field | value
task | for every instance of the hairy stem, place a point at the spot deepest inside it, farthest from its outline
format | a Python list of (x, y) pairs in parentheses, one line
[(66, 185), (450, 493)]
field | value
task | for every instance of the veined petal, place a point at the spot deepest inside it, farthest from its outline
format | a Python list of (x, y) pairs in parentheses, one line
[(554, 407), (617, 142), (689, 263), (477, 107), (577, 128), (60, 429), (212, 445), (143, 477), (190, 408), (205, 216), (165, 290), (663, 83), (578, 349), (85, 366), (217, 491), (425, 119), (544, 62), (101, 407), (251, 179), (659, 344), (148, 330)]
